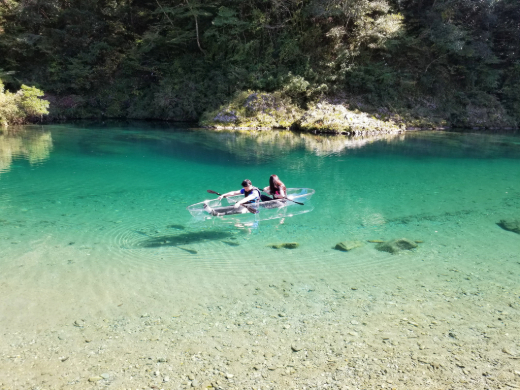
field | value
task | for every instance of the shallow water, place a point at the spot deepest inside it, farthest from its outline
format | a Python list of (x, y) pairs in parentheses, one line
[(94, 226)]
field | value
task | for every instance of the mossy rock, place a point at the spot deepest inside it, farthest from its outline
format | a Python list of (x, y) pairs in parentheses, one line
[(346, 246), (512, 225), (254, 110), (336, 118), (396, 246), (286, 245)]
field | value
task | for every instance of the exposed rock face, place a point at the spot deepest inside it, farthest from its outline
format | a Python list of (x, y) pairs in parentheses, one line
[(337, 118), (513, 225), (396, 246), (226, 116), (346, 246), (254, 110), (261, 110)]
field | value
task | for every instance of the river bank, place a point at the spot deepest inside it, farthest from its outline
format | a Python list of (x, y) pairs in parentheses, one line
[(258, 110), (253, 110)]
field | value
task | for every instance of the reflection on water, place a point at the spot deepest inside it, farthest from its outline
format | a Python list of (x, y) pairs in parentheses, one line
[(31, 144), (269, 142), (235, 146), (324, 145), (252, 146)]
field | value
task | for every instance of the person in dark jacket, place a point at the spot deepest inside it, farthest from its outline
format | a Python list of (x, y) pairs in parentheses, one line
[(251, 196)]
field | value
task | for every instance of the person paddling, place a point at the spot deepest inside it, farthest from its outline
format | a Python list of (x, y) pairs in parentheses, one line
[(276, 188), (251, 196)]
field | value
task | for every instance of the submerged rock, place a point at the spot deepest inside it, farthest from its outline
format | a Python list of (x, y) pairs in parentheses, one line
[(176, 226), (286, 245), (346, 246), (192, 251), (512, 225), (231, 243), (396, 246)]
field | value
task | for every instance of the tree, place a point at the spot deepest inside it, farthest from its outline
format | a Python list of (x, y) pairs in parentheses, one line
[(18, 107)]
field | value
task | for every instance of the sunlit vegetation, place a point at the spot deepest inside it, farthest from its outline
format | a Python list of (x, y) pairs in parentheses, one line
[(430, 61), (16, 108)]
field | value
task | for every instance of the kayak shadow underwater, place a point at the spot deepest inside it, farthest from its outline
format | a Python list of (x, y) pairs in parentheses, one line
[(184, 239)]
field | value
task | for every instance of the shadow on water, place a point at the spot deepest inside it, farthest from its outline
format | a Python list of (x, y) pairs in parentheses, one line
[(184, 239)]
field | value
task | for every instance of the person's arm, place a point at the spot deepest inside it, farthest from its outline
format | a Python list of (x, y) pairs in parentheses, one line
[(246, 199), (268, 190), (230, 193)]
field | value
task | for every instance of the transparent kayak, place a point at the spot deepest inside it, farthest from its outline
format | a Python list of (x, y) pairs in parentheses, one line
[(298, 202)]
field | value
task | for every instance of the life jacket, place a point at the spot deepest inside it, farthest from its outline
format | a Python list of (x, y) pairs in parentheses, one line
[(277, 192), (247, 193)]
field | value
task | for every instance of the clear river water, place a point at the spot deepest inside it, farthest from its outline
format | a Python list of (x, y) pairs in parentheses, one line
[(95, 238)]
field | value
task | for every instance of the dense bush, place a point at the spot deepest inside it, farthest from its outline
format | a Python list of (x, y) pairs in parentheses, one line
[(18, 107), (175, 59)]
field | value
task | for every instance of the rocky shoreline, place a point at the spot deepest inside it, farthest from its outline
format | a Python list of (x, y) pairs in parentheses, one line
[(265, 111), (348, 338)]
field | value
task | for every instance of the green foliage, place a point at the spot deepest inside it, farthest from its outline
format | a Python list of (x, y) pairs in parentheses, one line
[(174, 59), (9, 110), (30, 102), (17, 107)]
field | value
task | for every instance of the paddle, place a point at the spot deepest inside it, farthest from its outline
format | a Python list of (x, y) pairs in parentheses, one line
[(286, 198), (249, 208)]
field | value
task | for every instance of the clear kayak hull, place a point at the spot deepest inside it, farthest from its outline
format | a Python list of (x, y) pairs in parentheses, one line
[(298, 202)]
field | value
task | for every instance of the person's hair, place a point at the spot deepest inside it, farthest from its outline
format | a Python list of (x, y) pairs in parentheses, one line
[(246, 183), (275, 183)]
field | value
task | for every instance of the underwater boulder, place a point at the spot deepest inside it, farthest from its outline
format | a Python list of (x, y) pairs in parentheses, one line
[(231, 243), (396, 246), (513, 225), (347, 246), (286, 245)]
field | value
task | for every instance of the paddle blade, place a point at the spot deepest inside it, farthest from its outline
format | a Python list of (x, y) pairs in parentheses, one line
[(251, 209), (213, 192)]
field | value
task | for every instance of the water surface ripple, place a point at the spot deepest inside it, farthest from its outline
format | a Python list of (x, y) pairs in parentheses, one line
[(93, 225)]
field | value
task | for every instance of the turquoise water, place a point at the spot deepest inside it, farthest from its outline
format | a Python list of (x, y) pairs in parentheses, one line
[(118, 189), (108, 184), (93, 223)]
